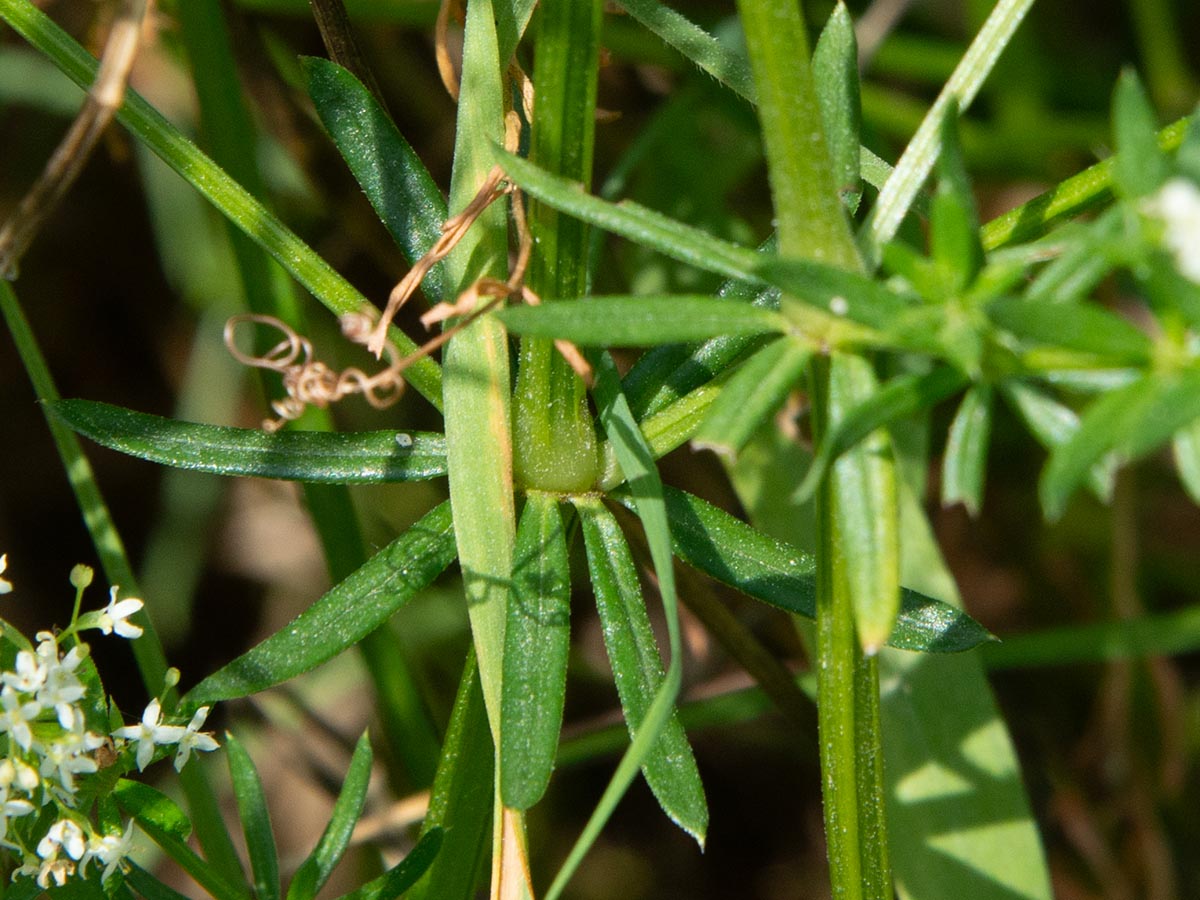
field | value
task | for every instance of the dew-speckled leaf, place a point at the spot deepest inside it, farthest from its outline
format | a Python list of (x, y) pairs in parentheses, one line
[(733, 553), (315, 456), (347, 809), (669, 767), (756, 390), (536, 645), (256, 819), (1131, 422), (391, 174), (350, 611), (639, 321), (964, 466)]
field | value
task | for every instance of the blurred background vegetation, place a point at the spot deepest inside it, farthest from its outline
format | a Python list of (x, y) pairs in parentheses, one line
[(130, 281)]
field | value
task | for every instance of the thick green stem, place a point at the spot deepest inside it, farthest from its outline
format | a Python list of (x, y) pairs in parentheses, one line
[(554, 440)]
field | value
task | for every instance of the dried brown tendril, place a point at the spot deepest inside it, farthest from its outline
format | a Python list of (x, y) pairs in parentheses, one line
[(310, 382)]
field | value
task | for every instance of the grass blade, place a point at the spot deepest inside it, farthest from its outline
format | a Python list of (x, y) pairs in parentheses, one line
[(639, 321), (349, 612), (311, 456), (347, 809), (536, 644)]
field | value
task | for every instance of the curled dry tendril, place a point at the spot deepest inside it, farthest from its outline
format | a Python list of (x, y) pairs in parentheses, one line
[(310, 382)]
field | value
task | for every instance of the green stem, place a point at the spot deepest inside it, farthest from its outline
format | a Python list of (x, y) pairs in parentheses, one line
[(554, 439)]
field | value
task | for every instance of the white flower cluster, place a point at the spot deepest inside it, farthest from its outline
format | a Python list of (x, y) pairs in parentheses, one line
[(46, 746), (1177, 205)]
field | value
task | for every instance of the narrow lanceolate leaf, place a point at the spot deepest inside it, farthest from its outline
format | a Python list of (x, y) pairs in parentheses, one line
[(835, 72), (903, 396), (639, 321), (350, 611), (1052, 423), (695, 44), (1186, 447), (256, 820), (733, 553), (756, 390), (1130, 421), (954, 223), (347, 809), (865, 508), (1140, 166), (1080, 327), (965, 462), (398, 879), (670, 768), (835, 292), (536, 645), (322, 457), (629, 220), (391, 174)]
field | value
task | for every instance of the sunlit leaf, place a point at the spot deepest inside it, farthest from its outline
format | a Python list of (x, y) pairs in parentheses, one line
[(256, 819)]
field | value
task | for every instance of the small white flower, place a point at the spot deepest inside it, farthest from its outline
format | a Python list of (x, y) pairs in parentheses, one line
[(149, 733), (1177, 204), (28, 675), (108, 849), (10, 808), (67, 757), (16, 715), (63, 834), (115, 616), (58, 870), (194, 739), (5, 584), (61, 690)]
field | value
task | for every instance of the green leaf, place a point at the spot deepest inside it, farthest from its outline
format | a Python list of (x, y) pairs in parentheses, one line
[(165, 824), (347, 809), (136, 877), (1081, 327), (964, 466), (639, 321), (391, 174), (1052, 423), (863, 495), (1131, 421), (954, 223), (536, 644), (322, 457), (350, 611), (629, 220), (669, 767), (1140, 166), (733, 553), (398, 879), (903, 396), (756, 390), (1186, 448), (256, 820), (695, 44), (836, 292), (460, 803), (835, 73)]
